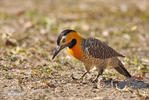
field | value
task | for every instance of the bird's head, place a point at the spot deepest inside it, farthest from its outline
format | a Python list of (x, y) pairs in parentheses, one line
[(67, 38)]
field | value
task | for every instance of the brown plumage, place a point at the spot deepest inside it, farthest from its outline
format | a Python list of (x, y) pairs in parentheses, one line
[(91, 51), (99, 54), (98, 49)]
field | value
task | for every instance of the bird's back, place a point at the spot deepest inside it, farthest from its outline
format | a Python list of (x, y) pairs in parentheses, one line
[(98, 49)]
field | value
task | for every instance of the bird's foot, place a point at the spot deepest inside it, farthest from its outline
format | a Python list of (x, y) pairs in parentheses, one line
[(80, 79), (95, 81), (102, 79)]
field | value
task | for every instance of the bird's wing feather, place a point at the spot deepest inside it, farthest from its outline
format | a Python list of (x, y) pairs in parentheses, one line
[(98, 49)]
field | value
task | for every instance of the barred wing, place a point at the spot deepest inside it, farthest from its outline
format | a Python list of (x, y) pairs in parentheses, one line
[(98, 49)]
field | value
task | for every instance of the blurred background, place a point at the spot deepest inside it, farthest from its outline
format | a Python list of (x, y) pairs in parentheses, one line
[(29, 29), (123, 22)]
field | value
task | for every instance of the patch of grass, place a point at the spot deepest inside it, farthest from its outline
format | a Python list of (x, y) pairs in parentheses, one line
[(13, 59), (44, 69), (42, 96), (144, 17), (10, 76), (5, 67), (4, 15), (144, 68), (135, 61)]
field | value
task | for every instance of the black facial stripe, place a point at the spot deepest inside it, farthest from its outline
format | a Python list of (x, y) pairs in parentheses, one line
[(63, 33), (73, 43)]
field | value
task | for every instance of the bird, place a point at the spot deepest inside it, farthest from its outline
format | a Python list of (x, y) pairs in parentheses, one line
[(91, 52)]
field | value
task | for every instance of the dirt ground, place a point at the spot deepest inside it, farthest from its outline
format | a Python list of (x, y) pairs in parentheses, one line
[(28, 33)]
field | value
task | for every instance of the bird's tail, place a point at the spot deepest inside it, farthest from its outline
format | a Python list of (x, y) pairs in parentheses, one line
[(122, 70)]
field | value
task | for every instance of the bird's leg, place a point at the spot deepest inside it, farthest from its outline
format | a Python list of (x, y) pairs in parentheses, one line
[(81, 78), (100, 71), (87, 70), (83, 75)]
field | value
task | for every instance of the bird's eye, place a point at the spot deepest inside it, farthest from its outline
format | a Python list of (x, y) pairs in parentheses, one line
[(63, 40)]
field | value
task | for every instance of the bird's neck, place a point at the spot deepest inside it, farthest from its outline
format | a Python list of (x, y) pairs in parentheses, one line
[(76, 50)]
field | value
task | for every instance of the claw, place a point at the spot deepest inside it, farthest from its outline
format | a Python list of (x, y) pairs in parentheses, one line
[(76, 78), (95, 81)]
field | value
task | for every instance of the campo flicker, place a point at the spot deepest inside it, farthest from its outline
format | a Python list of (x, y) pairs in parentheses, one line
[(90, 51)]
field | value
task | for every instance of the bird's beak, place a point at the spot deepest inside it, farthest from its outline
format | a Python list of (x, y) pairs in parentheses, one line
[(58, 49)]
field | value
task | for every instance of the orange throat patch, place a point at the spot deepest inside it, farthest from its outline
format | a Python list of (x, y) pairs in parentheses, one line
[(76, 51)]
